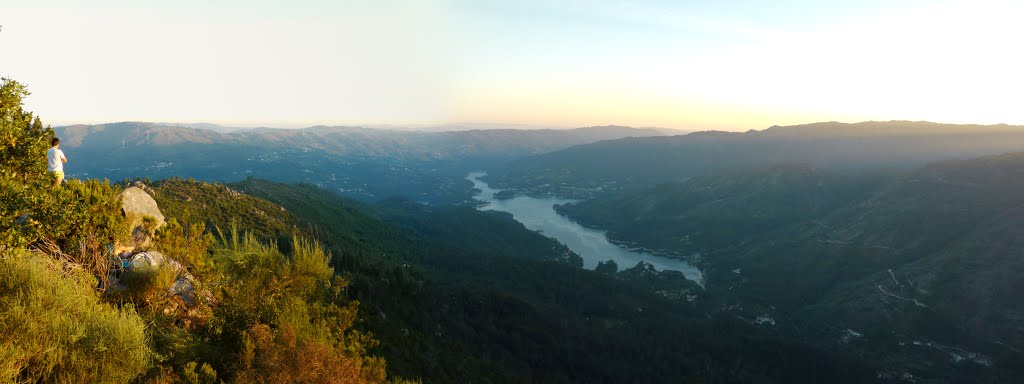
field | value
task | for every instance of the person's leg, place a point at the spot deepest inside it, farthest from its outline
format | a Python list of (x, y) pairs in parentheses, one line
[(58, 177)]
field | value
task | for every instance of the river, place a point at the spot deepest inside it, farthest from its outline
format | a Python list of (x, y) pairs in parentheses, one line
[(592, 245)]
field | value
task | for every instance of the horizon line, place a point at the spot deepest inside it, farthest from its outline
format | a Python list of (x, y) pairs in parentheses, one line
[(493, 125)]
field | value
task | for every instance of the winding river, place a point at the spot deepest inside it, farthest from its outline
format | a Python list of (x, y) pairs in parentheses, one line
[(538, 214)]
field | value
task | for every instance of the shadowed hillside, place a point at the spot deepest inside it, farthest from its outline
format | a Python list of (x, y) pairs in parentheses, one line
[(633, 163), (921, 269), (455, 292)]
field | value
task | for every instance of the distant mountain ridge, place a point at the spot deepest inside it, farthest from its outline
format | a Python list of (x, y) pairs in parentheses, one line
[(207, 126), (358, 162), (631, 163), (886, 128), (340, 139)]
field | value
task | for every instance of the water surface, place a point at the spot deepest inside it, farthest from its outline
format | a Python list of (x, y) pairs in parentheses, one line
[(592, 245)]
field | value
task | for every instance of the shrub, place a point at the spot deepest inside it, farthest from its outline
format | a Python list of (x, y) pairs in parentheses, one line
[(78, 219), (188, 245), (193, 373), (284, 355), (144, 232), (294, 330), (147, 287), (55, 329)]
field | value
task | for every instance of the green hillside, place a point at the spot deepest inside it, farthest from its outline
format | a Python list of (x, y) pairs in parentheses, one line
[(924, 264), (707, 213), (181, 310), (449, 301)]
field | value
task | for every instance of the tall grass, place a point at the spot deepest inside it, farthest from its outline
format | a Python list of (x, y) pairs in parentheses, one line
[(54, 329)]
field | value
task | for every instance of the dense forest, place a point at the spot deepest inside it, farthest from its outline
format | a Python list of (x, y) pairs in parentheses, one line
[(451, 301), (921, 266)]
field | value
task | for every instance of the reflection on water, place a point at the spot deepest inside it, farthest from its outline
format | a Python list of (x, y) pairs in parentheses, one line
[(539, 214)]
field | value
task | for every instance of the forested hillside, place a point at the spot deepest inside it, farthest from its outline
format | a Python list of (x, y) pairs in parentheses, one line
[(87, 298), (635, 163), (918, 269), (706, 213), (454, 298)]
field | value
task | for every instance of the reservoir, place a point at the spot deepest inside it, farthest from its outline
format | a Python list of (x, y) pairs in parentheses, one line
[(538, 214)]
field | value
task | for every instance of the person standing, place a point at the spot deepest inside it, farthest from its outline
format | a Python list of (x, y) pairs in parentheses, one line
[(55, 159)]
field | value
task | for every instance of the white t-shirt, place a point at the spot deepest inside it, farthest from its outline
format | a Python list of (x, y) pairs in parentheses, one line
[(55, 156)]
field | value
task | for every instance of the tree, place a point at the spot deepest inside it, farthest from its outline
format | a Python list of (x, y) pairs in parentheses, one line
[(607, 267), (78, 219), (23, 139)]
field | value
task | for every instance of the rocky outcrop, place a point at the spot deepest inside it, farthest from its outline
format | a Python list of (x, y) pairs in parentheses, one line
[(137, 205), (183, 297)]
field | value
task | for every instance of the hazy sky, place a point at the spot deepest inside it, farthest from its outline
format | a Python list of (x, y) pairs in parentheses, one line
[(677, 64)]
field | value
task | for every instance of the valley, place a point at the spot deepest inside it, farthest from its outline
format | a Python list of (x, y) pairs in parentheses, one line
[(896, 257), (511, 192), (538, 214), (897, 266)]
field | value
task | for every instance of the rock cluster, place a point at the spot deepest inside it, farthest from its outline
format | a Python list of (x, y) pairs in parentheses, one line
[(183, 298)]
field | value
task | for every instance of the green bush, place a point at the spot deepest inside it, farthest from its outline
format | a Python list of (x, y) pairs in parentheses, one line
[(294, 330), (13, 205), (23, 140), (146, 287), (193, 373), (79, 217), (188, 244), (75, 222), (55, 329)]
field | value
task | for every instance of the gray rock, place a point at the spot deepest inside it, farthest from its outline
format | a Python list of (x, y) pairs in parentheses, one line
[(136, 205), (148, 260), (183, 291), (136, 200)]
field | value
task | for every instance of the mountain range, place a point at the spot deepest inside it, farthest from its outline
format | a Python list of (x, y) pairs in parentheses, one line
[(630, 163), (359, 162), (881, 249)]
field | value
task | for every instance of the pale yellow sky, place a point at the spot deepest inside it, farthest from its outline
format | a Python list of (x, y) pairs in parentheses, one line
[(675, 64)]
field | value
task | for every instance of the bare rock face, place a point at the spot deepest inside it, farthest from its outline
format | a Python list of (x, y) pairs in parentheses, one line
[(136, 206)]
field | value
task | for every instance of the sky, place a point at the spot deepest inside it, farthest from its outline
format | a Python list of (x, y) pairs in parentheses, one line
[(732, 65)]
